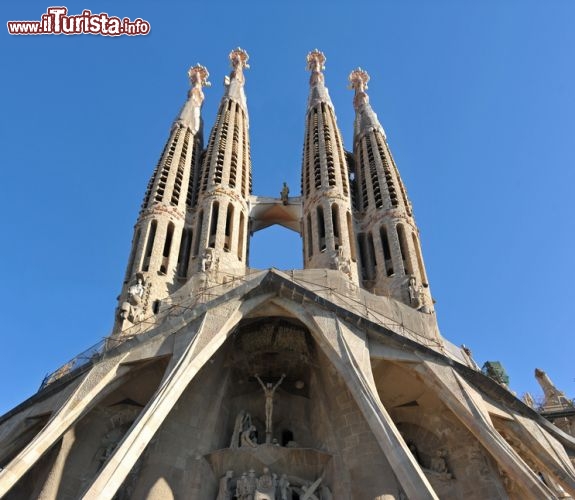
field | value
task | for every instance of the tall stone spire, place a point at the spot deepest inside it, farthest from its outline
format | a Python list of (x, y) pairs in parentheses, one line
[(328, 232), (225, 183), (390, 251), (158, 259)]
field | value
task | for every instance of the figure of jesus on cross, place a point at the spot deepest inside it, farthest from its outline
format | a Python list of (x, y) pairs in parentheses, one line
[(269, 391)]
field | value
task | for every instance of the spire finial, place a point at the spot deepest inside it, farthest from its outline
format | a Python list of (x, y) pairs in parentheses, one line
[(358, 79), (316, 64), (198, 75), (238, 60)]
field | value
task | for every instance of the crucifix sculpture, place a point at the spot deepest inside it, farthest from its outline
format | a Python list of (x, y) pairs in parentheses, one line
[(269, 391)]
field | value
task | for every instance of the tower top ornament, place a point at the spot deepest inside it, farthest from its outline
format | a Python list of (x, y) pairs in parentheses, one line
[(316, 64)]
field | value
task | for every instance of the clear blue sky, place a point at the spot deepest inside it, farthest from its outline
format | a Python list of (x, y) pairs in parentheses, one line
[(477, 99)]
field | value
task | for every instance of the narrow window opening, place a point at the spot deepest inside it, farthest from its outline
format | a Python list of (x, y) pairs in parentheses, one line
[(350, 237), (321, 229), (229, 226), (214, 225), (130, 268), (386, 251), (372, 265), (403, 248), (184, 253), (419, 259), (309, 237), (150, 246), (335, 224), (167, 248), (198, 233), (241, 237), (362, 255), (156, 306)]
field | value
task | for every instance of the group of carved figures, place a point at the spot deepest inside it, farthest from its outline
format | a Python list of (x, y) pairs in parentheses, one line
[(437, 463), (245, 433), (133, 308), (209, 263), (417, 297), (269, 486), (340, 263)]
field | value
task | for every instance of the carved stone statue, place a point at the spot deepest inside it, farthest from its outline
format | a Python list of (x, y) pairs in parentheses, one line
[(225, 491), (265, 489), (136, 292), (335, 260), (248, 437), (269, 391), (284, 489), (413, 291), (242, 487), (131, 309), (243, 422), (528, 400), (284, 194), (439, 464), (207, 260), (252, 483)]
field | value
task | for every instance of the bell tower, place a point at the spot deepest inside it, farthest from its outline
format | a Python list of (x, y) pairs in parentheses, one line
[(158, 258), (224, 184), (328, 232), (388, 238)]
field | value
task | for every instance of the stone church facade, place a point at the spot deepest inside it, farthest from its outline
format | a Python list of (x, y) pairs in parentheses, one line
[(331, 382)]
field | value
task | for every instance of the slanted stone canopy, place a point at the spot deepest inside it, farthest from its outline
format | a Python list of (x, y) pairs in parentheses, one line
[(362, 406)]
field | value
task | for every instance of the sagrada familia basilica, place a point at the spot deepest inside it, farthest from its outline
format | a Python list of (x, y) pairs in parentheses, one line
[(220, 381)]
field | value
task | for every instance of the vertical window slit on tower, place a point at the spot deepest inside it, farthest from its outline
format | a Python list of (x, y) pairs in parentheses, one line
[(371, 257), (341, 154), (363, 182), (328, 147), (167, 163), (335, 224), (198, 232), (241, 237), (206, 159), (417, 247), (309, 237), (180, 172), (404, 250), (373, 172), (352, 176), (219, 168), (149, 245), (130, 268), (387, 171), (190, 201), (386, 251), (207, 164), (214, 224), (321, 228), (234, 161), (184, 253), (350, 236), (246, 159), (305, 164), (167, 248), (316, 163), (229, 226), (362, 256)]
